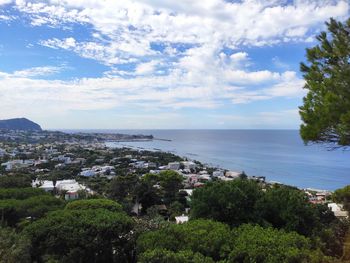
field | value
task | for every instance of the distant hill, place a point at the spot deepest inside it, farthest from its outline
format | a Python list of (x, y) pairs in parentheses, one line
[(19, 124)]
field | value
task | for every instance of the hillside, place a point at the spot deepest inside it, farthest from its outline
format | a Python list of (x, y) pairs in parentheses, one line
[(19, 124)]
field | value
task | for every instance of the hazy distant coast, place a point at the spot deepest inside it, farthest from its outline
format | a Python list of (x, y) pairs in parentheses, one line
[(279, 155)]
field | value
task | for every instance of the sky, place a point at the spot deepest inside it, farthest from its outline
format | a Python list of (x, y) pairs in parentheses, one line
[(158, 64)]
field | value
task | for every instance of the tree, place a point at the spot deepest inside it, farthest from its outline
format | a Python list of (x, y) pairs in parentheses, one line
[(163, 255), (12, 210), (342, 195), (147, 195), (206, 238), (229, 202), (13, 247), (257, 244), (288, 208), (94, 204), (122, 187), (82, 235), (210, 241), (15, 181), (20, 193), (171, 183), (326, 110)]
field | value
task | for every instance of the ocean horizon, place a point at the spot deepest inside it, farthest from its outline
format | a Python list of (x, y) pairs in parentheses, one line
[(279, 155)]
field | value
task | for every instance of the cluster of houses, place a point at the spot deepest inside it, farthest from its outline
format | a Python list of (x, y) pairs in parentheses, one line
[(17, 164), (100, 170), (324, 197), (21, 135), (194, 174), (68, 188)]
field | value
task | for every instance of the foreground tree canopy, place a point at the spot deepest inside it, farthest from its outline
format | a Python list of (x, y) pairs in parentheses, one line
[(343, 196), (236, 221), (85, 231), (282, 207), (209, 241), (326, 109), (228, 202)]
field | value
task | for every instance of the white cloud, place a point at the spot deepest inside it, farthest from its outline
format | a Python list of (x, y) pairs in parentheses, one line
[(239, 56), (173, 91), (289, 86), (35, 72), (5, 17), (201, 50), (267, 119), (4, 2), (131, 26), (146, 68)]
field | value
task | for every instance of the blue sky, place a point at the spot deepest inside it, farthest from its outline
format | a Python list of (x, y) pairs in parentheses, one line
[(158, 64)]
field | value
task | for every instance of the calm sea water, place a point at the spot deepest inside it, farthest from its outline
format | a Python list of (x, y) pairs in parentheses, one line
[(280, 155)]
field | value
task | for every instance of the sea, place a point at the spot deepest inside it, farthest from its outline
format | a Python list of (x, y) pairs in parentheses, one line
[(279, 155)]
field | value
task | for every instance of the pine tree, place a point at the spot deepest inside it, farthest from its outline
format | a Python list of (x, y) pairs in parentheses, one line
[(326, 110)]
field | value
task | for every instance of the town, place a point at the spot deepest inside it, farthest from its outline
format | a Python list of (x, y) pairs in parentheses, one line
[(65, 197), (73, 166)]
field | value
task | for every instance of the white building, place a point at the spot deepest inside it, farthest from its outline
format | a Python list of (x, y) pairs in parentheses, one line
[(338, 210), (233, 174), (139, 165), (70, 187), (174, 166), (88, 173), (181, 219), (205, 177), (43, 184), (16, 164), (63, 159), (218, 173), (2, 152), (189, 165)]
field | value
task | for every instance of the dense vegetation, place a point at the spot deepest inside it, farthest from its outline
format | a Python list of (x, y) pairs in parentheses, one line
[(236, 221), (343, 196), (210, 241), (326, 109)]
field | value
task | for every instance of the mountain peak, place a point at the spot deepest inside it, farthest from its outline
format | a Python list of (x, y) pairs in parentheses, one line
[(19, 124)]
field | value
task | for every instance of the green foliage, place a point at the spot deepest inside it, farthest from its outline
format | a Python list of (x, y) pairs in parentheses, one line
[(332, 237), (15, 181), (12, 210), (100, 185), (122, 187), (282, 207), (83, 235), (257, 244), (147, 195), (13, 247), (176, 208), (326, 109), (288, 208), (211, 241), (94, 204), (342, 195), (163, 255), (131, 189), (209, 238), (64, 173), (171, 183), (20, 193), (229, 202)]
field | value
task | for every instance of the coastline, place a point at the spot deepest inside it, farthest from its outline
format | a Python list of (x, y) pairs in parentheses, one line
[(212, 166), (279, 155)]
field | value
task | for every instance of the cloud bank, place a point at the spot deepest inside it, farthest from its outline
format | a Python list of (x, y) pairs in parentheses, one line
[(162, 55)]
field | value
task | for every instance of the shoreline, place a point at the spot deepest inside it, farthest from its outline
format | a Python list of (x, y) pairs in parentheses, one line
[(214, 166)]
